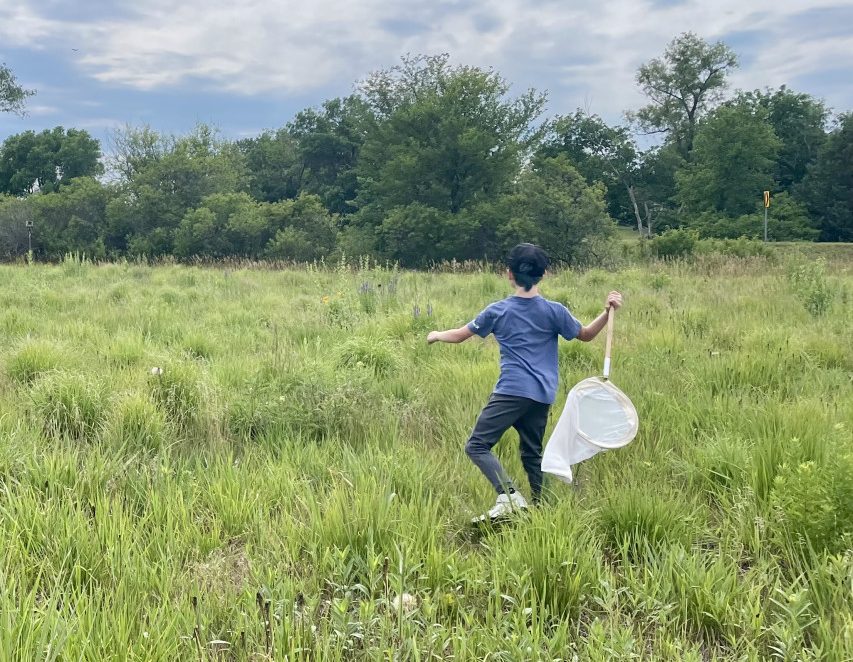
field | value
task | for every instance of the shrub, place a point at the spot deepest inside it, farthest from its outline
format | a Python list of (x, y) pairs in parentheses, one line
[(68, 405), (813, 503), (659, 281), (741, 247), (673, 244)]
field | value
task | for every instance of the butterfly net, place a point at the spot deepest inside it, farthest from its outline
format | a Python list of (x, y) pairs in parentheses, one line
[(597, 416)]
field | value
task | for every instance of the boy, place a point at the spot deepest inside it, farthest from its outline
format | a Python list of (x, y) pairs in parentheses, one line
[(526, 327)]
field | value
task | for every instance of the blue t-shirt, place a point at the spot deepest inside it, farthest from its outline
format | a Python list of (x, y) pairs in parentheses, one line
[(526, 329)]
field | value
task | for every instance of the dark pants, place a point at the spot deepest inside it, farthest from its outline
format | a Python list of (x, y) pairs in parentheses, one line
[(529, 418)]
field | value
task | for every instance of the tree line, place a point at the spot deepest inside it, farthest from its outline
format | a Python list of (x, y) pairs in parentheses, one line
[(428, 162)]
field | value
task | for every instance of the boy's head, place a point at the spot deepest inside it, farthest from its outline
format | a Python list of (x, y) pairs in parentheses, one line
[(527, 264)]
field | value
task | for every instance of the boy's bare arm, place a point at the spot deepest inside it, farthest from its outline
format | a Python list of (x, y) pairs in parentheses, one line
[(591, 330), (452, 335)]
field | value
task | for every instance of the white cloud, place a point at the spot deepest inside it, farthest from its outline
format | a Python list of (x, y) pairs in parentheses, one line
[(585, 52), (42, 110)]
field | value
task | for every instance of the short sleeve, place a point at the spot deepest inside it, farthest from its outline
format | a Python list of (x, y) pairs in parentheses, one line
[(484, 323), (567, 325)]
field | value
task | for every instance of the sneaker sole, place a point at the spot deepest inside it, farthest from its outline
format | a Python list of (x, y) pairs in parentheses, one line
[(500, 519)]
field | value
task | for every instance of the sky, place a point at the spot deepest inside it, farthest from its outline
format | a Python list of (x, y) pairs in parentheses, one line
[(248, 66)]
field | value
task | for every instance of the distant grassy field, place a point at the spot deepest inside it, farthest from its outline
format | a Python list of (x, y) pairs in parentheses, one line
[(293, 485)]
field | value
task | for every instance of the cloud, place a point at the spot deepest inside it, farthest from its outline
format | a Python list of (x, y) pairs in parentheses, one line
[(586, 52), (42, 110)]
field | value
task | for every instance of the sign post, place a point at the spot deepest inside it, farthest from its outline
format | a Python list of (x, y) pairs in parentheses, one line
[(29, 225), (766, 205)]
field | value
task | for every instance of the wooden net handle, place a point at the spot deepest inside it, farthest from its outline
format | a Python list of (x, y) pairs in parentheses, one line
[(609, 344)]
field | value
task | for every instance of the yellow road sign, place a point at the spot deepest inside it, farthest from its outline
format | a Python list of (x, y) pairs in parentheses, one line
[(766, 198)]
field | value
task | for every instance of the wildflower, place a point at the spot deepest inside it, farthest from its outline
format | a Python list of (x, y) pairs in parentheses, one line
[(156, 371), (326, 300), (405, 602)]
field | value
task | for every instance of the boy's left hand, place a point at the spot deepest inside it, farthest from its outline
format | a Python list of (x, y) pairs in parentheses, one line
[(614, 300)]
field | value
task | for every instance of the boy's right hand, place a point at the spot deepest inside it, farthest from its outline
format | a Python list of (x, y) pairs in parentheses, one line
[(432, 337), (614, 300)]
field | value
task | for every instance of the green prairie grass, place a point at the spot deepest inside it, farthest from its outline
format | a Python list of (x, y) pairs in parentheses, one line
[(292, 486)]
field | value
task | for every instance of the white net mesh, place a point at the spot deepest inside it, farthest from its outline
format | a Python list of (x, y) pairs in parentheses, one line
[(597, 416)]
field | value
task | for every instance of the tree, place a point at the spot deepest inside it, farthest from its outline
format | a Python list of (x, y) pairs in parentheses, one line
[(224, 224), (133, 149), (799, 121), (13, 97), (304, 229), (732, 163), (683, 85), (274, 165), (601, 153), (329, 142), (15, 213), (827, 189), (445, 138), (656, 186), (420, 235), (46, 160), (562, 213), (71, 219), (166, 184)]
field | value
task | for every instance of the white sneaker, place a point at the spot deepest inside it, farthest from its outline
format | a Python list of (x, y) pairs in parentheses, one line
[(506, 505)]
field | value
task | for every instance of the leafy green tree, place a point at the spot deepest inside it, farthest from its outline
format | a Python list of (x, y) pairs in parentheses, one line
[(304, 230), (799, 121), (656, 187), (15, 213), (46, 160), (133, 149), (13, 97), (225, 224), (683, 85), (601, 153), (733, 160), (418, 235), (446, 138), (827, 189), (144, 216), (70, 220), (274, 165), (329, 142), (562, 213)]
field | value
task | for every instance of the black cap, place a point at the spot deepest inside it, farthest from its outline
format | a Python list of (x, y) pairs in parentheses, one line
[(528, 259)]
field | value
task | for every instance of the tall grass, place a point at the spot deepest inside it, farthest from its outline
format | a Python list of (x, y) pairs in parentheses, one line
[(290, 483)]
